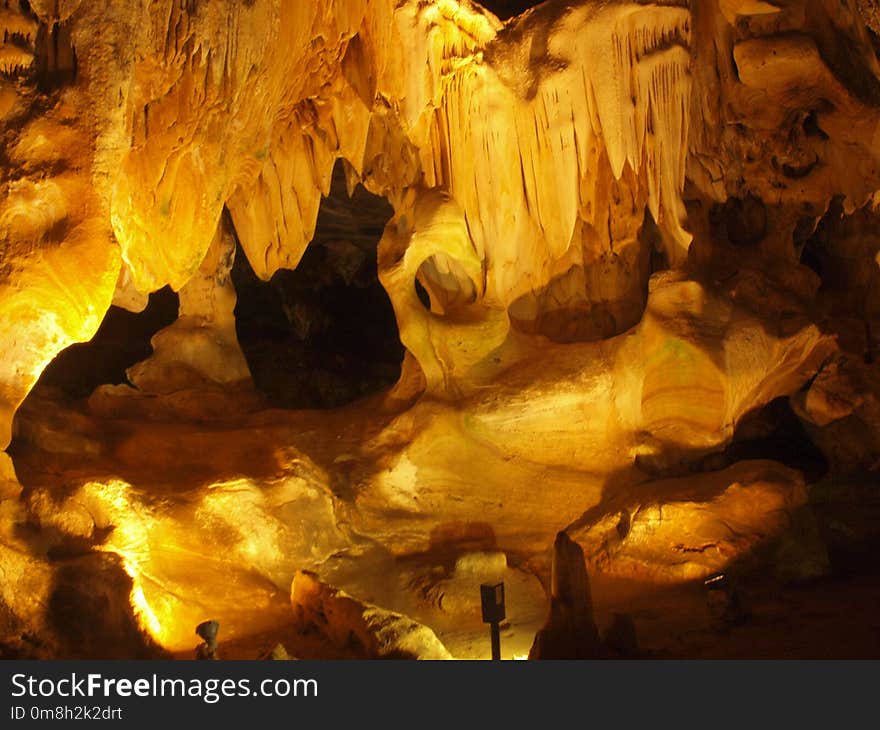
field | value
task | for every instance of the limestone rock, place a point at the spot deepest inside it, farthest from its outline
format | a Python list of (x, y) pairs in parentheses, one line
[(206, 109), (278, 653), (658, 398), (570, 631), (9, 486), (366, 631), (27, 581), (457, 594), (57, 430), (835, 393), (620, 637), (205, 403), (227, 549), (841, 410), (689, 528), (90, 612), (201, 347), (635, 223)]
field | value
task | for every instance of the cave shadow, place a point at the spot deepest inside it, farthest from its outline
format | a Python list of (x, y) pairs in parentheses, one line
[(738, 270), (772, 433), (89, 611), (122, 340), (449, 540), (324, 334), (590, 322)]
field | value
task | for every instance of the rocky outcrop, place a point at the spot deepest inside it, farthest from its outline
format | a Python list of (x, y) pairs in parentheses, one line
[(689, 528), (547, 192), (570, 631), (201, 346), (841, 411), (226, 550), (363, 630)]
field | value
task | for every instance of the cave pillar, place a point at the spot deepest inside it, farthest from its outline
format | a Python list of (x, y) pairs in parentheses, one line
[(201, 347)]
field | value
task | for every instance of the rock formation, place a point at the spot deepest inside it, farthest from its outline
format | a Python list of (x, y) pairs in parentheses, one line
[(363, 630), (680, 529), (620, 230), (570, 631)]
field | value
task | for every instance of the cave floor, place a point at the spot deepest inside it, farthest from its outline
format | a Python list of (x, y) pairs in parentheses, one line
[(835, 618), (191, 522)]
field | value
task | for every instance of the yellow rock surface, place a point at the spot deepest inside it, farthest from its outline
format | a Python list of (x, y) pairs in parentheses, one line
[(626, 216)]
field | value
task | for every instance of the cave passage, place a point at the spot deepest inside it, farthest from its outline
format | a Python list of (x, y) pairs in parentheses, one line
[(506, 9), (775, 432), (122, 340), (324, 334)]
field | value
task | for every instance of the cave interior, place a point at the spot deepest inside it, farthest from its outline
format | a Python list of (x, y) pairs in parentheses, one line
[(317, 317)]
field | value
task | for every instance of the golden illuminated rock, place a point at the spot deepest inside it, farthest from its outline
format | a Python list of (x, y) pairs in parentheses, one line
[(620, 229), (204, 109), (692, 527), (364, 630), (201, 346)]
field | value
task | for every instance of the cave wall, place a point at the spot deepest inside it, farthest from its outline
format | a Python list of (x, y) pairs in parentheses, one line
[(541, 170), (635, 225), (551, 136)]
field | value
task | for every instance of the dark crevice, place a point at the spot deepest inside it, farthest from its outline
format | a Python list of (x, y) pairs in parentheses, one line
[(423, 295), (122, 341), (774, 432), (56, 62), (506, 9), (811, 126), (325, 334), (742, 221), (651, 236), (842, 55), (816, 246)]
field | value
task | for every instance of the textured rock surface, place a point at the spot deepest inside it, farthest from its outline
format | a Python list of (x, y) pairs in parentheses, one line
[(224, 549), (842, 414), (619, 230), (202, 344), (692, 527), (570, 631), (580, 134), (364, 630)]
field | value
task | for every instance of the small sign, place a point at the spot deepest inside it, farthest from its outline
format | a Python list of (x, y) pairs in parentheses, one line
[(492, 596)]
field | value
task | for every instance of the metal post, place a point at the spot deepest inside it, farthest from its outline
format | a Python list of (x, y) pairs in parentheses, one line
[(496, 641)]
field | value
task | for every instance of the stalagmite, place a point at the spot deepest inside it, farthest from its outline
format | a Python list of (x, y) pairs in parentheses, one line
[(570, 631), (201, 345)]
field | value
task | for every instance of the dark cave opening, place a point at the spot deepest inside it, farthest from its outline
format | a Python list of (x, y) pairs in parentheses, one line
[(841, 248), (324, 334), (506, 9), (775, 432), (812, 239), (122, 340), (423, 296)]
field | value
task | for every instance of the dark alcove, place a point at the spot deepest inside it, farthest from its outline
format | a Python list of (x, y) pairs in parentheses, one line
[(775, 432), (506, 9), (122, 340), (325, 334)]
